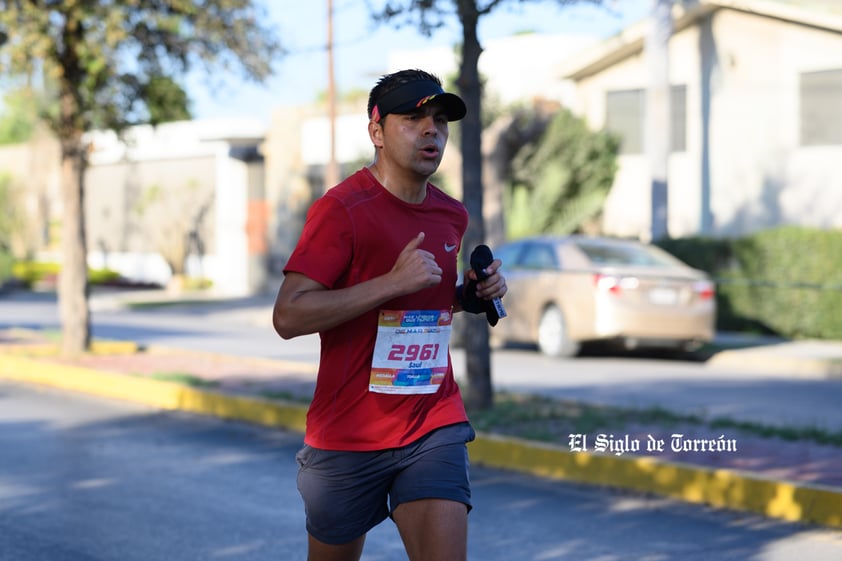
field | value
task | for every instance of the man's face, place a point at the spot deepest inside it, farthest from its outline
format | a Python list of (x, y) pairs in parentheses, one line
[(415, 141)]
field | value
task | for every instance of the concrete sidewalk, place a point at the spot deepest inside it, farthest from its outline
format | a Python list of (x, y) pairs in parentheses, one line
[(772, 354), (795, 481)]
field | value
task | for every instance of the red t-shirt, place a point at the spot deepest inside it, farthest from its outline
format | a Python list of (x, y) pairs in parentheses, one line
[(354, 233)]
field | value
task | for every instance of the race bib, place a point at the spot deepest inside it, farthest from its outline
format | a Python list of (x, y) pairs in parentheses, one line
[(410, 353)]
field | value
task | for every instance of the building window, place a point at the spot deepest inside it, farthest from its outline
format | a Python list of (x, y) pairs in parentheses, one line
[(678, 119), (624, 117), (625, 112), (821, 111)]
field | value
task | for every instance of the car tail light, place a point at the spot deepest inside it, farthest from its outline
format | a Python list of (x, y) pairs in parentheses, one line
[(607, 283), (704, 289), (614, 284)]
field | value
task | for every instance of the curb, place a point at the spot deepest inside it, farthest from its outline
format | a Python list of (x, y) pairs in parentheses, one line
[(769, 360), (97, 348), (155, 393), (731, 489)]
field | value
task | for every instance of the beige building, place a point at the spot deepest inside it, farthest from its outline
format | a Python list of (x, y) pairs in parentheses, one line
[(756, 136), (185, 198)]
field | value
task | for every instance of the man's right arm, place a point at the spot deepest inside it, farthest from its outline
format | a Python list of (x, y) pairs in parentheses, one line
[(305, 306)]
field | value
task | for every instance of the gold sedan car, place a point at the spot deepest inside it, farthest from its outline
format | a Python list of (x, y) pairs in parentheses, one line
[(565, 291)]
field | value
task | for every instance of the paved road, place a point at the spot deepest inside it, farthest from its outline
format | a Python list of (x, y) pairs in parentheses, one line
[(637, 381), (84, 479), (242, 329), (681, 386)]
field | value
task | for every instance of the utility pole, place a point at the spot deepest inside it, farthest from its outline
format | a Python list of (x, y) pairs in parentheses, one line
[(658, 117), (332, 170)]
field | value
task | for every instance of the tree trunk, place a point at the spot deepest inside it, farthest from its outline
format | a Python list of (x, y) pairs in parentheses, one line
[(73, 279), (496, 159), (479, 393)]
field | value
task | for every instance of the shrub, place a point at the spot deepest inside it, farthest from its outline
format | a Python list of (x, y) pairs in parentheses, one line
[(6, 262), (33, 273), (561, 180), (784, 280)]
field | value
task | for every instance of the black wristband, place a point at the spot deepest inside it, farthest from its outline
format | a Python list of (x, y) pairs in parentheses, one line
[(467, 298)]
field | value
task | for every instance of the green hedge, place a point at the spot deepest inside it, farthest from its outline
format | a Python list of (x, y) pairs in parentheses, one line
[(786, 280), (32, 273), (6, 262)]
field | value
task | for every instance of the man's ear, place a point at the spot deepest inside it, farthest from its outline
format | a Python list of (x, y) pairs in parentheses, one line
[(375, 133)]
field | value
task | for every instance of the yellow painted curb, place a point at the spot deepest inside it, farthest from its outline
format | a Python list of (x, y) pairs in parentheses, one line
[(98, 347), (731, 489), (155, 393), (721, 488)]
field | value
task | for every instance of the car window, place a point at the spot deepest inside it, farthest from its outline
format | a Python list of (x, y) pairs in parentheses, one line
[(539, 256), (509, 254), (626, 254)]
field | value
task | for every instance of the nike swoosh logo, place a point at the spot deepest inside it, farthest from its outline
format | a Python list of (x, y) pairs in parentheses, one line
[(448, 248)]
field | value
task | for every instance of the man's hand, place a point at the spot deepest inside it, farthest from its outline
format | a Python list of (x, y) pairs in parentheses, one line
[(415, 268), (494, 286)]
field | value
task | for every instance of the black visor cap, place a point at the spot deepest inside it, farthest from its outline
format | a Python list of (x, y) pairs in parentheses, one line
[(413, 95)]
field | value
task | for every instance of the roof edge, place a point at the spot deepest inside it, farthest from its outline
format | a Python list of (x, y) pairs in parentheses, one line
[(632, 39)]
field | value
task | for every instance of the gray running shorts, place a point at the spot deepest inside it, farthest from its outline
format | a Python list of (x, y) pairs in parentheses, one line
[(346, 494)]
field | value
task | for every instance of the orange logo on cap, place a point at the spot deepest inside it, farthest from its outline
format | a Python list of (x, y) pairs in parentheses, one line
[(425, 100)]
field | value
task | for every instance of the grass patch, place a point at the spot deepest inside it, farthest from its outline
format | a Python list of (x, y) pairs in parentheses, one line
[(48, 335), (286, 396), (552, 420), (53, 335), (156, 304), (792, 434), (183, 378), (516, 411)]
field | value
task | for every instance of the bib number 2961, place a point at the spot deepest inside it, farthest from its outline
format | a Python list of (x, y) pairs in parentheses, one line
[(410, 353)]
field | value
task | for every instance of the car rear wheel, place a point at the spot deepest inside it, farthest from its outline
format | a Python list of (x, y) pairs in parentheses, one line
[(553, 338)]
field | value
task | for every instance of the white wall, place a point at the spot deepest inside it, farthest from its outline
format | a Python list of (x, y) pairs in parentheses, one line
[(759, 175), (520, 67), (227, 262), (231, 266)]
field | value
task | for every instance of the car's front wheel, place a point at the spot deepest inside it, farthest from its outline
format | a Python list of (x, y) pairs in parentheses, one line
[(553, 338)]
